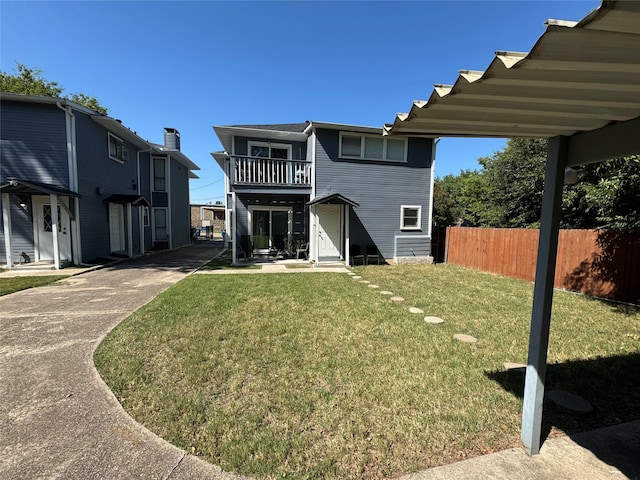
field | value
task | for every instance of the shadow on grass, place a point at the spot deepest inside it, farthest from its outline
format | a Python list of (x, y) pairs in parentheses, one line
[(612, 386)]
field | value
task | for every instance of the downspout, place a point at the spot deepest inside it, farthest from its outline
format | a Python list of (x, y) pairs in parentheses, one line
[(433, 164), (72, 162), (313, 230)]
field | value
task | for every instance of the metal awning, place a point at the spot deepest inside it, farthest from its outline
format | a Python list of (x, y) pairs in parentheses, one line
[(134, 200), (578, 77), (334, 198), (18, 186), (579, 86)]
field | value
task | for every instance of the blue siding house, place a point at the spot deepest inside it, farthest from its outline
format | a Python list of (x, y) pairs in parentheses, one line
[(340, 190), (77, 185)]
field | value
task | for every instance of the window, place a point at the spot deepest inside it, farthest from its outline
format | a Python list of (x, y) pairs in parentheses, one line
[(118, 151), (410, 217), (145, 216), (159, 174), (160, 224), (270, 150), (373, 147)]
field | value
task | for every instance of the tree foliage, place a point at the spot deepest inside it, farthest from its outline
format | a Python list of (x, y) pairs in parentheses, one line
[(29, 81), (507, 192)]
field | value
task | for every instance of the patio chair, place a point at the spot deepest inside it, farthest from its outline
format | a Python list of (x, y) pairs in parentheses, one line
[(304, 249), (356, 255), (246, 248), (372, 253)]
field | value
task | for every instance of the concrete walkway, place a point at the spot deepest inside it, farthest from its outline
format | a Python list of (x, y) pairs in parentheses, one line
[(57, 417), (59, 420)]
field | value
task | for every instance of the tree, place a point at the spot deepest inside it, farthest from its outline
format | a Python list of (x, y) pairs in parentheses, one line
[(28, 81), (468, 200), (515, 181)]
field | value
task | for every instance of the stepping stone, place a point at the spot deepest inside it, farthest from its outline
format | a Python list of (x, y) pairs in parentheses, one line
[(350, 273), (434, 320), (463, 337), (415, 310), (386, 292), (515, 366), (570, 401), (373, 286), (397, 299), (356, 277), (364, 281)]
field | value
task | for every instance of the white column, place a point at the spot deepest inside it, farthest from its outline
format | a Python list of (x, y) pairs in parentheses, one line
[(347, 246), (141, 227), (55, 222), (6, 223), (129, 231), (543, 295), (234, 229)]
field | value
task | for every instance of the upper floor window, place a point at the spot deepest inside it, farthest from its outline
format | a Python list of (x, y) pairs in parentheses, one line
[(270, 150), (118, 151), (159, 174), (373, 147), (410, 217)]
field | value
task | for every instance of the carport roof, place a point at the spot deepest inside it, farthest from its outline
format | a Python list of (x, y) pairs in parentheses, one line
[(578, 77)]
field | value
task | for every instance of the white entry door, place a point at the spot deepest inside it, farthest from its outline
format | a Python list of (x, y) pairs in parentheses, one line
[(44, 229), (116, 227), (328, 230)]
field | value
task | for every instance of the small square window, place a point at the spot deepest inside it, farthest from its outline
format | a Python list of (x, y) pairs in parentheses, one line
[(410, 217), (118, 151)]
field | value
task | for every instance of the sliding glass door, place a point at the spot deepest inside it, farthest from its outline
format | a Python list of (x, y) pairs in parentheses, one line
[(270, 228)]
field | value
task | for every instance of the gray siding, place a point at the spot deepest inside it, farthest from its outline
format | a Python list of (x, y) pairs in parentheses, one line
[(408, 245), (22, 229), (145, 190), (380, 188), (179, 208), (34, 143), (98, 178)]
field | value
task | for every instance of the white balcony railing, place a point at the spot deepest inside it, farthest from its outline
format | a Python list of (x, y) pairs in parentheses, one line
[(270, 171)]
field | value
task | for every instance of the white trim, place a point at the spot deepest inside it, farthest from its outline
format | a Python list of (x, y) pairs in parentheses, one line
[(363, 138), (283, 146), (76, 244), (141, 226), (169, 206), (234, 240), (347, 240), (6, 222), (313, 163), (417, 227), (55, 223)]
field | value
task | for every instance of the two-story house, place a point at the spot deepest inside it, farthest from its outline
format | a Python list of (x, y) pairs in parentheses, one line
[(77, 185), (342, 189)]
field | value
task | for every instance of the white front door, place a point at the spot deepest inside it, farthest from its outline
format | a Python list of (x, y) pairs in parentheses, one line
[(44, 229), (116, 227), (329, 231)]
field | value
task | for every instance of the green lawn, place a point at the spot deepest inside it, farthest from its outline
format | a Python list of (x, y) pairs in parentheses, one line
[(224, 263), (320, 376), (14, 284)]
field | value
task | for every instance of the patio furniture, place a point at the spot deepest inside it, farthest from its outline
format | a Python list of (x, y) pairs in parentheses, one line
[(304, 249), (372, 253), (246, 248), (357, 255)]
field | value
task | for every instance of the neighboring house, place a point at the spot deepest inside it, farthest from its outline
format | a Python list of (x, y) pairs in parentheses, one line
[(338, 187), (208, 218), (77, 185)]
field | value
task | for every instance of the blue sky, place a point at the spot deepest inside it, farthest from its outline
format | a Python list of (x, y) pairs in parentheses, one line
[(194, 64)]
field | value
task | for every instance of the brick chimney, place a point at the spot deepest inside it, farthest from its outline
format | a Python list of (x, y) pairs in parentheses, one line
[(172, 138)]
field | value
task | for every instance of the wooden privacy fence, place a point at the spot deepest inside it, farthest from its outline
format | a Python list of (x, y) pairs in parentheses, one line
[(598, 263)]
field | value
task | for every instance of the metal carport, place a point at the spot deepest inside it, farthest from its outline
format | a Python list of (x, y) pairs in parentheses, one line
[(579, 86)]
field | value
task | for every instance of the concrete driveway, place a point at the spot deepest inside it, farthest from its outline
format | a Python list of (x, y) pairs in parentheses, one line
[(57, 417)]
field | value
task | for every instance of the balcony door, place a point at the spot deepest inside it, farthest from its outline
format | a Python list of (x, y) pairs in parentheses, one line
[(270, 228)]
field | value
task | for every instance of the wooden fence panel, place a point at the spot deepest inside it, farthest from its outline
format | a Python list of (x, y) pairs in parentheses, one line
[(601, 264)]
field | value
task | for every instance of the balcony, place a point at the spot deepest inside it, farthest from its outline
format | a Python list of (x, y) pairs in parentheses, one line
[(270, 172)]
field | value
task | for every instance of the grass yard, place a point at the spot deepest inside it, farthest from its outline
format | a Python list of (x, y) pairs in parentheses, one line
[(224, 263), (320, 376), (13, 284)]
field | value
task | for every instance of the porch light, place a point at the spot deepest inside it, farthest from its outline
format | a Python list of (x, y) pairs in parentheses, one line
[(570, 176)]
